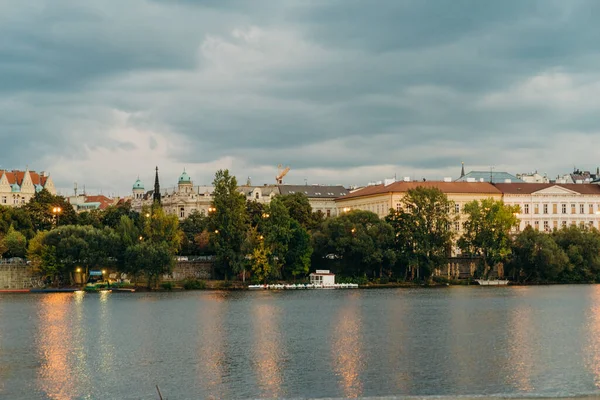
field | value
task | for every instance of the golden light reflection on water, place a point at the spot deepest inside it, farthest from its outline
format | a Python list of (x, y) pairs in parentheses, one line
[(268, 349), (106, 351), (211, 346), (55, 342), (520, 353), (592, 346), (346, 348)]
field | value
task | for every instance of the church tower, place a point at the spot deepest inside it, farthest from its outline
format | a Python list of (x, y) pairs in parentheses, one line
[(462, 170), (156, 194)]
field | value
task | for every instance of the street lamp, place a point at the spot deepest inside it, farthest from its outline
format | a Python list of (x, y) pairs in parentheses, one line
[(56, 212), (265, 215), (216, 231), (211, 209)]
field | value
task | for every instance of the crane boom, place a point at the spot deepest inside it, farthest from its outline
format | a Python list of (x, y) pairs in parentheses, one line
[(279, 178)]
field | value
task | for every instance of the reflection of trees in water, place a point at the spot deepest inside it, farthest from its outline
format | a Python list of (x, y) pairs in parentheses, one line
[(62, 372), (347, 351), (268, 349), (592, 347), (520, 352), (211, 365)]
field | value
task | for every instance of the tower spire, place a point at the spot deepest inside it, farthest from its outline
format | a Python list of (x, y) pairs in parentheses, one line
[(462, 170), (156, 194)]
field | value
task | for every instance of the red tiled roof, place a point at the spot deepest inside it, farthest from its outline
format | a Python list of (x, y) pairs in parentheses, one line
[(446, 187), (529, 188), (17, 177), (103, 200)]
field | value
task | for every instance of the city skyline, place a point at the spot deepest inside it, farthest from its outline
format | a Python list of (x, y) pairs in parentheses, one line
[(343, 92)]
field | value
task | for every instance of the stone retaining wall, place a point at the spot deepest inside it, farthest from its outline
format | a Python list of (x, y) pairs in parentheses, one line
[(202, 270), (18, 276)]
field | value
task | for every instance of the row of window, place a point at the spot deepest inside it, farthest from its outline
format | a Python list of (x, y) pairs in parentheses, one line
[(15, 199), (563, 224), (545, 208)]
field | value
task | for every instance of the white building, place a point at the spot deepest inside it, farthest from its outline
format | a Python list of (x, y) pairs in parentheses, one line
[(322, 277), (534, 177), (547, 206)]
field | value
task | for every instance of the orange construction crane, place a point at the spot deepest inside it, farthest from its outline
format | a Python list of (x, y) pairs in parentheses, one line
[(281, 174)]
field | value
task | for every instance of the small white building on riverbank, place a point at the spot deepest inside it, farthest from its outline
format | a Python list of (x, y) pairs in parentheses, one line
[(322, 277)]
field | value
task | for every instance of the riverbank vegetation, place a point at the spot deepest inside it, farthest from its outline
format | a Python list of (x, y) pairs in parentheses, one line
[(284, 240)]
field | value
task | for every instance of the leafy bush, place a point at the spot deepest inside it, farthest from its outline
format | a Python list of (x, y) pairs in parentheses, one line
[(167, 285), (194, 284)]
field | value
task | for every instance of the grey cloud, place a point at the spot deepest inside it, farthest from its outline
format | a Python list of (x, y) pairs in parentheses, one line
[(322, 86)]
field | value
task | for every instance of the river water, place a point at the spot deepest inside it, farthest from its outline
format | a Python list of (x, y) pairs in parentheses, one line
[(455, 341)]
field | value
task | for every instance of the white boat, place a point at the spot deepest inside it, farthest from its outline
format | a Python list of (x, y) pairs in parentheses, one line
[(492, 282)]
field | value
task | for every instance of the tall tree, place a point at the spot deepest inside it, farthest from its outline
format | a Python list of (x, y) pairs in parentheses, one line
[(582, 246), (487, 231), (15, 244), (297, 259), (40, 210), (229, 223), (299, 208), (192, 227), (423, 230), (277, 232), (536, 257), (356, 243)]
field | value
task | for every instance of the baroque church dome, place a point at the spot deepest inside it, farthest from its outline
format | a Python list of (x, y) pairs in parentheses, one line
[(138, 185), (185, 178)]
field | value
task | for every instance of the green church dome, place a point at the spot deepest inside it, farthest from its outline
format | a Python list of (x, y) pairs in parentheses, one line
[(185, 178), (138, 185)]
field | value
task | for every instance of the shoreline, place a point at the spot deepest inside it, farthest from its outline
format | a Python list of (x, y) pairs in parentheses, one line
[(221, 286)]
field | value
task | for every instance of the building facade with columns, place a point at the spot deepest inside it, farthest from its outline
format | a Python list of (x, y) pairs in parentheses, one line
[(549, 206), (181, 200), (18, 187)]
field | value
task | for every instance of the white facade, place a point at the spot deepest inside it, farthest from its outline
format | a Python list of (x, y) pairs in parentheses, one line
[(557, 206), (322, 277), (534, 178)]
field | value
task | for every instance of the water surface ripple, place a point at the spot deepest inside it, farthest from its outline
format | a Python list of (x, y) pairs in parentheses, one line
[(456, 342)]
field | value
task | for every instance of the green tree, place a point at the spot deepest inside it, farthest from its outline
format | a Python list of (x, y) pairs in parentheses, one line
[(255, 211), (356, 243), (111, 216), (582, 246), (92, 218), (40, 207), (3, 246), (277, 232), (536, 257), (423, 230), (35, 249), (15, 243), (18, 218), (193, 226), (153, 259), (487, 231), (229, 224), (299, 208), (261, 266), (297, 258)]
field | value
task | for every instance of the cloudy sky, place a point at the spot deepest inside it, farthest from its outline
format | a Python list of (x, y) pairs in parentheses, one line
[(342, 91)]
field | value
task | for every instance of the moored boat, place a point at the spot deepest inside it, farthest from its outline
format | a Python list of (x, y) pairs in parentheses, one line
[(492, 282)]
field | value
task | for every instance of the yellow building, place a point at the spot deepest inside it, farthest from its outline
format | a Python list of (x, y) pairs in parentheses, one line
[(381, 198)]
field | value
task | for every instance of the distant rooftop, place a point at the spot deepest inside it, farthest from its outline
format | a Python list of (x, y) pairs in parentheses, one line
[(484, 176)]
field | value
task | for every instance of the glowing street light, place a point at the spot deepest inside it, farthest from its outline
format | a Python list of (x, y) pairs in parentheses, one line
[(56, 212), (211, 209)]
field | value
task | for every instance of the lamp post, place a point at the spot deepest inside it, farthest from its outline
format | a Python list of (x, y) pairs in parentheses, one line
[(56, 212)]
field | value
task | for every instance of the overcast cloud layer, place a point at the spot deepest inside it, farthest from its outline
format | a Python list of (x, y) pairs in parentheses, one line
[(101, 91)]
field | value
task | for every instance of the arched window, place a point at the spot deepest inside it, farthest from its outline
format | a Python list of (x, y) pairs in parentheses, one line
[(182, 212)]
